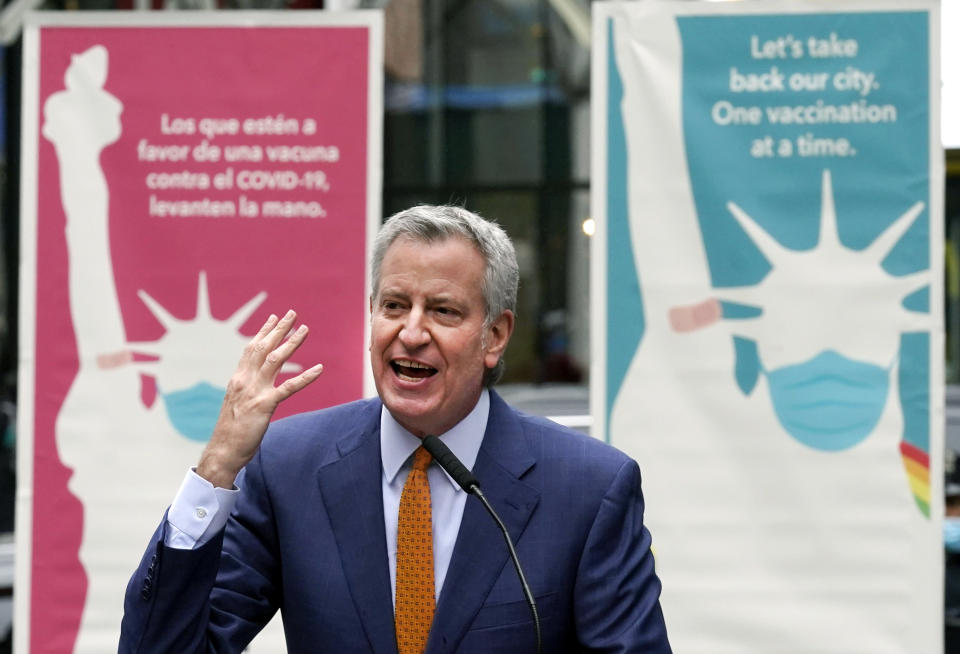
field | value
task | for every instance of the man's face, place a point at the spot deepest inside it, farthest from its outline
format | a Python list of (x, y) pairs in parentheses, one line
[(428, 346)]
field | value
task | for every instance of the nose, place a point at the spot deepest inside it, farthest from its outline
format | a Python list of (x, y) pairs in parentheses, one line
[(414, 332)]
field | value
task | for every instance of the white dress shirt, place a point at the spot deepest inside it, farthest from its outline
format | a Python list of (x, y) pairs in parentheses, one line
[(447, 499), (200, 511)]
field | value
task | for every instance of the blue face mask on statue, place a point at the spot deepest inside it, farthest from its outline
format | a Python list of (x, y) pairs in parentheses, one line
[(193, 411), (951, 534), (830, 402)]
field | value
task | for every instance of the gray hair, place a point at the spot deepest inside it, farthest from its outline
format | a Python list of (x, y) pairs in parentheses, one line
[(430, 224)]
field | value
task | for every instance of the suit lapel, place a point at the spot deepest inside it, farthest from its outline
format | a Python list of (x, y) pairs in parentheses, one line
[(352, 494), (480, 552)]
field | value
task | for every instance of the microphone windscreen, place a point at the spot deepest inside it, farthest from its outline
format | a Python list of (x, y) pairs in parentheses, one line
[(449, 462)]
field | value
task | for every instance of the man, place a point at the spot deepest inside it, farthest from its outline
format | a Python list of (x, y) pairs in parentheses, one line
[(323, 514)]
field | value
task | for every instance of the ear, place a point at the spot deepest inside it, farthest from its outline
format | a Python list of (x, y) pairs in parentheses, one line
[(370, 344), (497, 336)]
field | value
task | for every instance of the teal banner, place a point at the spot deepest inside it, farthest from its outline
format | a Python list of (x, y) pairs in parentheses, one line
[(768, 299)]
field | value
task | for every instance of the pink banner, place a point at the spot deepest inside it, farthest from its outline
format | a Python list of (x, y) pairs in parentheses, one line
[(190, 181)]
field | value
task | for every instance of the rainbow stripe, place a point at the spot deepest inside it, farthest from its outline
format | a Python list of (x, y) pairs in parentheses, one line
[(916, 462)]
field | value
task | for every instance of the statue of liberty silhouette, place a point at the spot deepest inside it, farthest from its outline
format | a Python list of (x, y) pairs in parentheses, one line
[(127, 457)]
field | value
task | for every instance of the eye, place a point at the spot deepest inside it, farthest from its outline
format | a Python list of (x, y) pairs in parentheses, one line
[(447, 314)]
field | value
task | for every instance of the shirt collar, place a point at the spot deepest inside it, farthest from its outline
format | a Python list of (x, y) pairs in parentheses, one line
[(397, 444)]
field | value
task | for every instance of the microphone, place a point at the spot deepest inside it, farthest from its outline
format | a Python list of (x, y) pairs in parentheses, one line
[(468, 482), (449, 462)]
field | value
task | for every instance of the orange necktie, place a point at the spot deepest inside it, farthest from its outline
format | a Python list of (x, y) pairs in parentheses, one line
[(415, 599)]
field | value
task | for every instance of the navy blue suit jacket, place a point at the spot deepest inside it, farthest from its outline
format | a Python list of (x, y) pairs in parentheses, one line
[(307, 538)]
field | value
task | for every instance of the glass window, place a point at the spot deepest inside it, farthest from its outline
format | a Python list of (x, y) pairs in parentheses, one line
[(493, 116)]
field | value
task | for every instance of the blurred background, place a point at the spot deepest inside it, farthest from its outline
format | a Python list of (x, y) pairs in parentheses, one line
[(487, 103)]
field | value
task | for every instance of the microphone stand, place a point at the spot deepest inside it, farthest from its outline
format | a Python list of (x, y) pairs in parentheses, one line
[(516, 562)]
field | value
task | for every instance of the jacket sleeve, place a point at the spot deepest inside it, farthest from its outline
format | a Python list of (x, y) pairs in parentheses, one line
[(212, 599), (617, 593)]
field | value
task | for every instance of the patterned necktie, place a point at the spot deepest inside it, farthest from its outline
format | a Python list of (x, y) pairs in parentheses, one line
[(415, 598)]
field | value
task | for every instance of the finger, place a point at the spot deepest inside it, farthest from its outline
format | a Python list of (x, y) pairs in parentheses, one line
[(267, 326), (275, 360), (269, 342), (251, 346), (301, 381)]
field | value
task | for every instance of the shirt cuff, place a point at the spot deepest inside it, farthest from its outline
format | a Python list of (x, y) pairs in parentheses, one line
[(198, 513)]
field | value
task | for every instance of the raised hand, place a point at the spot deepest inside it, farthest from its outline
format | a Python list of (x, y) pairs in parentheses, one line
[(252, 397)]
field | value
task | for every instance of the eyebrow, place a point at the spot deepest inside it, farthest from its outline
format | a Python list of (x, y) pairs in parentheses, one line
[(431, 300), (443, 299)]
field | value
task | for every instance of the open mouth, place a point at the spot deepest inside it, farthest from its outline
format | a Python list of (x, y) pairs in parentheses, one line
[(411, 370)]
